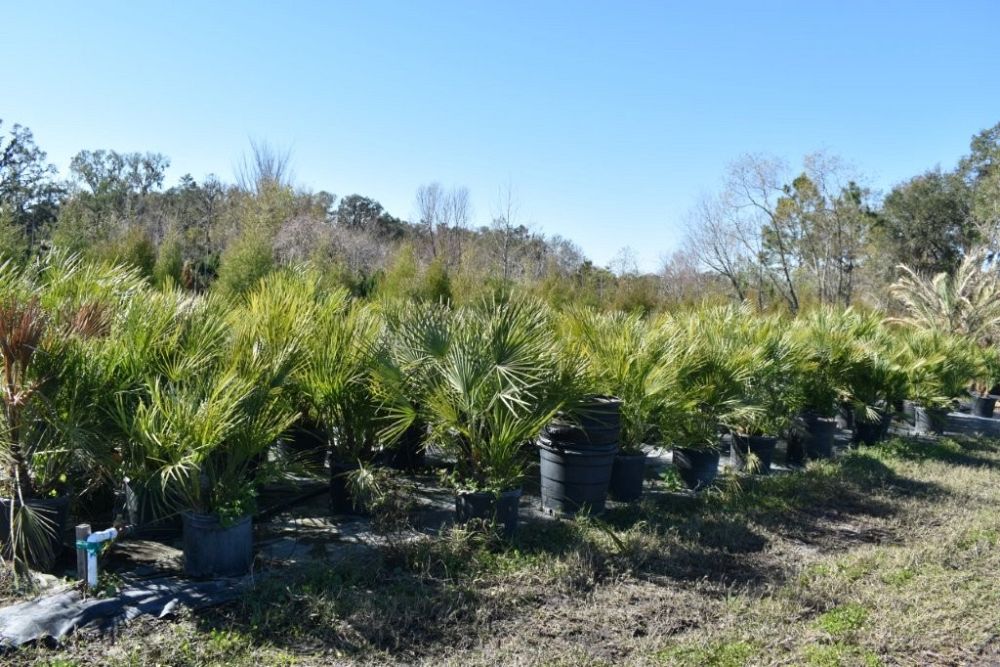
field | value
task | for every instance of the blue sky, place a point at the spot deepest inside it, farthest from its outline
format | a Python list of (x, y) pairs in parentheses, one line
[(608, 118)]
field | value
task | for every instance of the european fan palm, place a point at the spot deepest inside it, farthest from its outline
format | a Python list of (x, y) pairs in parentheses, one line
[(211, 403), (491, 381), (623, 356), (52, 427), (874, 380), (938, 366), (827, 339), (336, 380), (701, 385), (760, 352)]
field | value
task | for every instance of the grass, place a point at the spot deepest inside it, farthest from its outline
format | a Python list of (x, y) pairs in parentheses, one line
[(886, 556)]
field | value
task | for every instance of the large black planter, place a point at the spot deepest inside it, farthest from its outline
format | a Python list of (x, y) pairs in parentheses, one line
[(930, 420), (698, 468), (872, 432), (409, 453), (577, 457), (845, 416), (307, 443), (597, 424), (56, 511), (819, 437), (983, 405), (575, 479), (761, 446), (341, 499), (500, 508), (214, 550), (627, 474)]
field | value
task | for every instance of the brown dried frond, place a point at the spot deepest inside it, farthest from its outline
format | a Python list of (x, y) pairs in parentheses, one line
[(91, 320), (22, 325)]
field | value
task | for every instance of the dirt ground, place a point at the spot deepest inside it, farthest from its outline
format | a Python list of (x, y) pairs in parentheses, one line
[(885, 556)]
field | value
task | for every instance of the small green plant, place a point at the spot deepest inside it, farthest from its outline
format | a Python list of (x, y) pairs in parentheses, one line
[(843, 620)]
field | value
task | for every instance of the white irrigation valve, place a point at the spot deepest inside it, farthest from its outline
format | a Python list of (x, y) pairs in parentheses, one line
[(92, 545)]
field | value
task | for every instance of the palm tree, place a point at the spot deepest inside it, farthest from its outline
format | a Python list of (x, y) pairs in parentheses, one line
[(623, 356), (965, 303)]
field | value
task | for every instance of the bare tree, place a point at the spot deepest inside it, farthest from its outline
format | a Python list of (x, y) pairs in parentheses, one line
[(723, 243), (624, 263), (431, 208), (263, 166), (459, 212), (505, 227), (754, 187)]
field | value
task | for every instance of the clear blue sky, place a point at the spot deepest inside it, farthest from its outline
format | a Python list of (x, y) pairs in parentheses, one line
[(609, 118)]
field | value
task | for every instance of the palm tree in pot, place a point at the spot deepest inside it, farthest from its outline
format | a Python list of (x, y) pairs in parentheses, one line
[(874, 381), (826, 338), (337, 384), (939, 367), (52, 325), (984, 385), (623, 357), (198, 432), (417, 336), (763, 355), (701, 385), (490, 383)]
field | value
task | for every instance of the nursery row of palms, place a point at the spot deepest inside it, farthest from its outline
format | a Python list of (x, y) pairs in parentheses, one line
[(194, 398)]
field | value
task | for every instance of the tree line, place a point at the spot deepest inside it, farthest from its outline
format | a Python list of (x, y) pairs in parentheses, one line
[(772, 235)]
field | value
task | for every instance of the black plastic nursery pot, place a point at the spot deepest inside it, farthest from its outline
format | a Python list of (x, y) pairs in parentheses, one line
[(930, 420), (499, 508), (577, 457), (341, 499), (575, 478), (872, 432), (55, 510), (845, 416), (307, 443), (627, 475), (983, 405), (409, 452), (598, 424), (214, 550), (697, 468), (761, 446), (819, 437), (795, 448), (146, 518)]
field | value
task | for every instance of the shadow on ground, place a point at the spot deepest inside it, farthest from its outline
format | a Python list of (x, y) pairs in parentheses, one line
[(412, 596)]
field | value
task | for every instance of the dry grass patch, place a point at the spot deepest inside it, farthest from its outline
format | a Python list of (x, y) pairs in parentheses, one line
[(886, 556)]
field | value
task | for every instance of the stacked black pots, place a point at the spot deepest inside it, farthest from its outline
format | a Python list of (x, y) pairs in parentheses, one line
[(578, 456)]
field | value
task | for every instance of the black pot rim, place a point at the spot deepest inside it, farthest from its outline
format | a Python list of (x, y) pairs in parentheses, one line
[(714, 449), (55, 501), (509, 493), (213, 517), (767, 439), (600, 450)]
